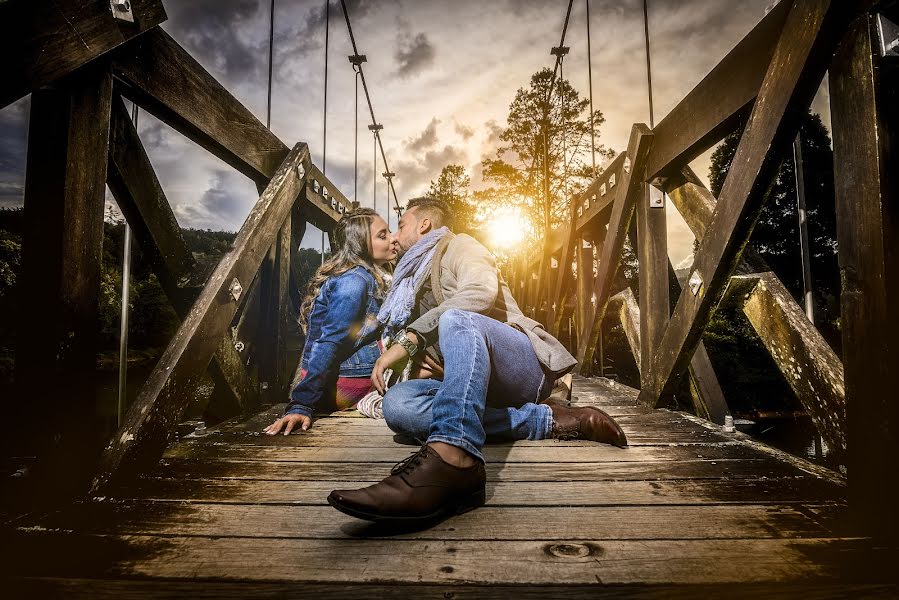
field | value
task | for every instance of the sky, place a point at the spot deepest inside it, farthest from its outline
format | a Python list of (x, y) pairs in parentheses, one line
[(441, 76)]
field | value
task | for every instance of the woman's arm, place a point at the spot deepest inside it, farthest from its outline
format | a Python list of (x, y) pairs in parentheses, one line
[(346, 304)]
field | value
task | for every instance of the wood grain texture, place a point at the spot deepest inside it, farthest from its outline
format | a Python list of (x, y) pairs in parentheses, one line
[(866, 122), (813, 560), (628, 190), (158, 74), (713, 108), (153, 416), (42, 40), (810, 36)]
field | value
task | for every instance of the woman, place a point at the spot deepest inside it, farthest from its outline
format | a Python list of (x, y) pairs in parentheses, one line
[(339, 314)]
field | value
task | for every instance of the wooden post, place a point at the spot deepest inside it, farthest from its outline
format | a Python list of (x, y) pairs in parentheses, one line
[(65, 191), (629, 188), (652, 252), (152, 417), (863, 89), (810, 35)]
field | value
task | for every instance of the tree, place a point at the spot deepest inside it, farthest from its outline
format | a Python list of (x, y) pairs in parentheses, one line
[(452, 188), (776, 233), (547, 147)]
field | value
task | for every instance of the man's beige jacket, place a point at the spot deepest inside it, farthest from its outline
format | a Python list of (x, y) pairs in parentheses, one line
[(469, 280)]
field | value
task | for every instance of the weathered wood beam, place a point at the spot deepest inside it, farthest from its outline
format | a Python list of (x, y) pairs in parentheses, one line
[(629, 188), (63, 230), (864, 91), (562, 280), (272, 337), (713, 108), (137, 191), (151, 419), (625, 306), (806, 361), (813, 389), (325, 203), (44, 40), (62, 253), (164, 79), (803, 52), (139, 195), (652, 254)]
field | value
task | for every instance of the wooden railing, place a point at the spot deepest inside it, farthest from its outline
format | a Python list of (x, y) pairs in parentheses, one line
[(768, 81), (81, 138)]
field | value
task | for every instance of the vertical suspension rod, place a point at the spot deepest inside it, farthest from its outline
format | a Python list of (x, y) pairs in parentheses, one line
[(648, 63)]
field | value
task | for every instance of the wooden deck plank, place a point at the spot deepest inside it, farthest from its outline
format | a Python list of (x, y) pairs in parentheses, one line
[(551, 472), (647, 562), (136, 589), (524, 523), (508, 493)]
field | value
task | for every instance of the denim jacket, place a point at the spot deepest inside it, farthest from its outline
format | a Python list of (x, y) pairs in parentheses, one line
[(342, 337)]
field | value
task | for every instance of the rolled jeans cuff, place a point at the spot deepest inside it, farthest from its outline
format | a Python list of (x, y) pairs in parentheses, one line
[(459, 443)]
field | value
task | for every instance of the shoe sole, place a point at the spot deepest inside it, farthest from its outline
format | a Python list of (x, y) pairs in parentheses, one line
[(475, 500)]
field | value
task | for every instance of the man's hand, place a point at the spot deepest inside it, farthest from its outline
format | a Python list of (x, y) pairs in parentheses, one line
[(289, 423)]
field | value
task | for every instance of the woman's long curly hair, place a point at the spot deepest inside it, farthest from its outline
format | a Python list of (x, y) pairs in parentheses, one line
[(352, 248)]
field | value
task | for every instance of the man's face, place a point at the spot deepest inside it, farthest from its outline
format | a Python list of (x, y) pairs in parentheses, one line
[(409, 231)]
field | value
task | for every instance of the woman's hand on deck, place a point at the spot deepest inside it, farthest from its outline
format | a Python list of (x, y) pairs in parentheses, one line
[(289, 423)]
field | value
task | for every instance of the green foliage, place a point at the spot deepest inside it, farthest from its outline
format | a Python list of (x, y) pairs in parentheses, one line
[(547, 144), (776, 233), (452, 188)]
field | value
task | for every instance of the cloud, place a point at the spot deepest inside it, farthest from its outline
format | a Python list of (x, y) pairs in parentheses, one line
[(464, 131), (418, 172), (427, 138), (224, 35), (221, 207), (413, 54)]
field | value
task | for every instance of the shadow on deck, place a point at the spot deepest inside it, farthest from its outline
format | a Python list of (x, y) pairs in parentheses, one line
[(685, 510)]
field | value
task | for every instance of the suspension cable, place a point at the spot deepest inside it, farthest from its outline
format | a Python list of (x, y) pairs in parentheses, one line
[(371, 109), (648, 64), (590, 84), (325, 109), (271, 57)]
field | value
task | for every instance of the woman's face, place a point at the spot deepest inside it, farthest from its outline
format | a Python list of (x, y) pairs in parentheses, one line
[(383, 243)]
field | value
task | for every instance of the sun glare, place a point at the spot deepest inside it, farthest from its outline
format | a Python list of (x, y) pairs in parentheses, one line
[(507, 228)]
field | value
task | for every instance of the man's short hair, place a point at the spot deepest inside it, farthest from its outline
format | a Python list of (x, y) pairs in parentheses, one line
[(434, 209)]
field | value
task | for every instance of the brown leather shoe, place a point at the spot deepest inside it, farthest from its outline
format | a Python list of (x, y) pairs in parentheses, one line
[(423, 487), (586, 423)]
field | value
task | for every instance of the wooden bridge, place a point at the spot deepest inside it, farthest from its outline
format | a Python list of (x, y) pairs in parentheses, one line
[(687, 509)]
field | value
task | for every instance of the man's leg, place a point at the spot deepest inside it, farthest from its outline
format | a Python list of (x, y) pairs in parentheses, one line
[(407, 407), (485, 358)]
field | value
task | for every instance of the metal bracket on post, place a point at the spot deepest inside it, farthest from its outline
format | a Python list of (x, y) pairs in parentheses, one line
[(236, 289), (695, 282), (121, 10), (889, 36), (656, 198)]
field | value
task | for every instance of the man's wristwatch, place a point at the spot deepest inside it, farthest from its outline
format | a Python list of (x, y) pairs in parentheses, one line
[(403, 340)]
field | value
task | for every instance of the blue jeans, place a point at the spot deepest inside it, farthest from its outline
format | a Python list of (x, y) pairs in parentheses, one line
[(491, 385)]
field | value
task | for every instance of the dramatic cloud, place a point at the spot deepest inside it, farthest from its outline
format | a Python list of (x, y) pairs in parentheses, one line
[(220, 207), (413, 54), (427, 139)]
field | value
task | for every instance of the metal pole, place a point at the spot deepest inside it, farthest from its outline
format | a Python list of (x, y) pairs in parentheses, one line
[(803, 230), (374, 174), (126, 300), (356, 144), (648, 64)]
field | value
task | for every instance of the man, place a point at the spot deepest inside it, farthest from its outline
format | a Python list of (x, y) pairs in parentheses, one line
[(498, 368)]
